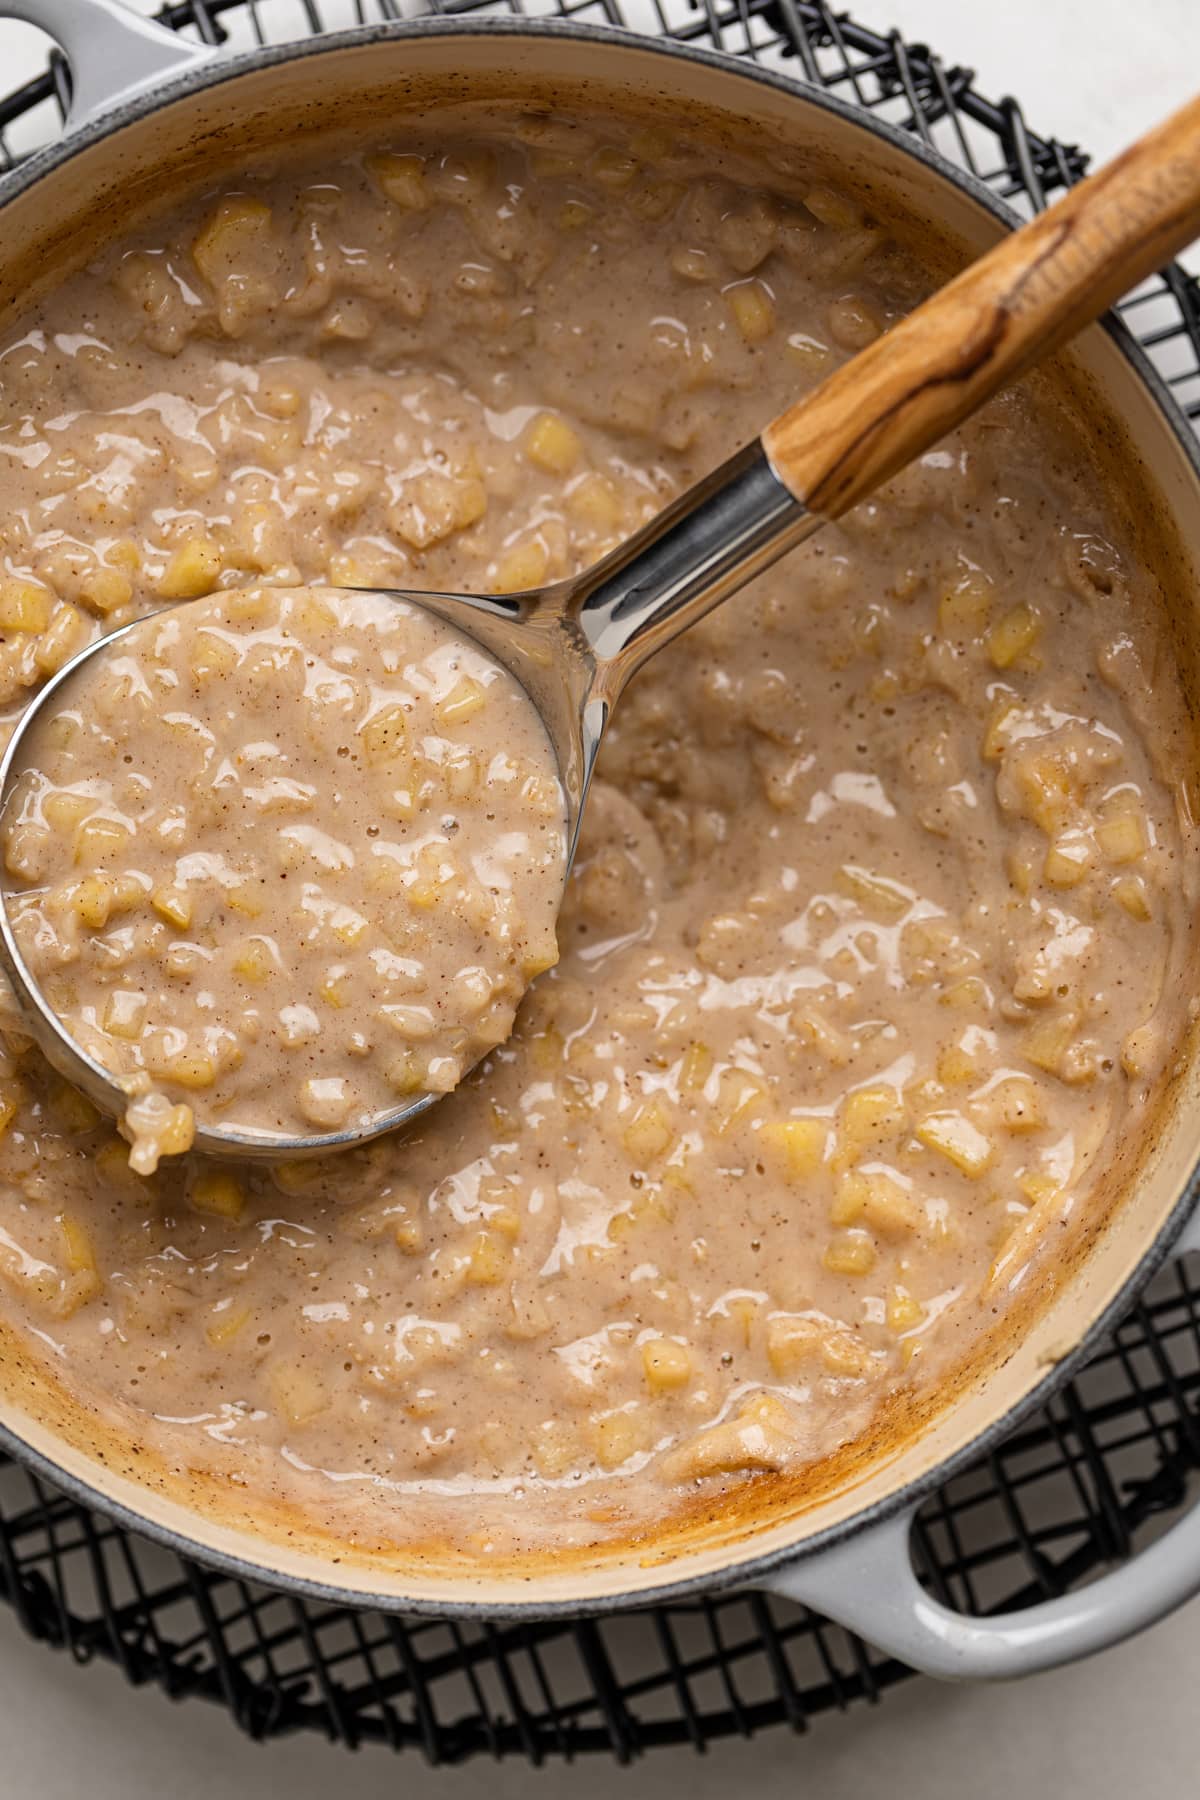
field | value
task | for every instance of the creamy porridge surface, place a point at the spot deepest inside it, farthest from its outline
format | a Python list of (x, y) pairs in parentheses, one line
[(876, 944), (285, 860)]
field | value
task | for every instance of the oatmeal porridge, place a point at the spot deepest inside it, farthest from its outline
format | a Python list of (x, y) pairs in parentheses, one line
[(875, 945), (285, 860)]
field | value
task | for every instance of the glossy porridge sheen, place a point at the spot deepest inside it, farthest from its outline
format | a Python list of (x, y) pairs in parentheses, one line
[(875, 946)]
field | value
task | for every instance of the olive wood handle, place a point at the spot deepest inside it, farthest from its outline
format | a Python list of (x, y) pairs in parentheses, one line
[(1004, 312)]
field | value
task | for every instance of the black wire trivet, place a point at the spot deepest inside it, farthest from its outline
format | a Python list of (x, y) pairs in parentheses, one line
[(1071, 1492)]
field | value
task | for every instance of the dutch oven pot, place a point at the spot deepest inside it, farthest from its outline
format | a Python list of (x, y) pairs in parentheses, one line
[(151, 111)]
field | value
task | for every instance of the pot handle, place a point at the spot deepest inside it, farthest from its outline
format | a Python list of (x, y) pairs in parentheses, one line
[(868, 1584), (113, 53)]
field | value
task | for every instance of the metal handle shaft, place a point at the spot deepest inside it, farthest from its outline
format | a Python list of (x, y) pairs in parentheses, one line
[(694, 554)]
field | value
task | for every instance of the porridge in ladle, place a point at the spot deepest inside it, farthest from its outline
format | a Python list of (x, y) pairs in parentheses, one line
[(286, 860)]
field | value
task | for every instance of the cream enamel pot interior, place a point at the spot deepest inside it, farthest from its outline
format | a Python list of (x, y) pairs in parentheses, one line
[(151, 111)]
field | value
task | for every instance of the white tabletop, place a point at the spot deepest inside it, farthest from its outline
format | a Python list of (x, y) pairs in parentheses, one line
[(1088, 71)]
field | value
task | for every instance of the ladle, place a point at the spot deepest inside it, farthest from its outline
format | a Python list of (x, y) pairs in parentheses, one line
[(574, 645)]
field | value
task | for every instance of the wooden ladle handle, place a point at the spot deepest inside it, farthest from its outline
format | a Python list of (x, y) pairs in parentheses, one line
[(1003, 313)]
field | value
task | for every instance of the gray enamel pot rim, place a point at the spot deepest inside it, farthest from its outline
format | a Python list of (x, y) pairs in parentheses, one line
[(895, 1509)]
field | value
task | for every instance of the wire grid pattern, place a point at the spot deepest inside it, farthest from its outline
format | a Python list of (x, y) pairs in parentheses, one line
[(1091, 1476)]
